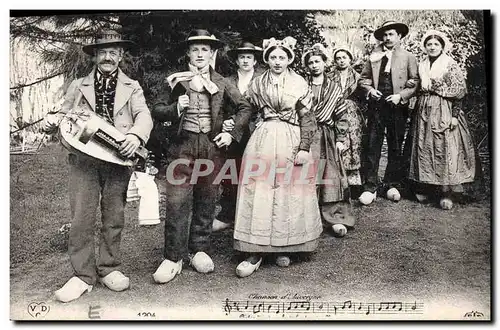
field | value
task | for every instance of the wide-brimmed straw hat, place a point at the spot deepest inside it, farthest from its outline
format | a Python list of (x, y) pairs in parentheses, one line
[(245, 47), (203, 37), (388, 25), (107, 38), (287, 44)]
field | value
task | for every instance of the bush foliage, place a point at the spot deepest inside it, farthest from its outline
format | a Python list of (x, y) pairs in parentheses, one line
[(158, 34)]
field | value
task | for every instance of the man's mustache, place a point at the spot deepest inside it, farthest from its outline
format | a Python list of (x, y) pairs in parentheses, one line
[(107, 62)]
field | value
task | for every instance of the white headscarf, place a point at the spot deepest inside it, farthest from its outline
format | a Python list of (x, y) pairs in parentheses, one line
[(447, 43), (437, 71), (439, 66), (288, 44)]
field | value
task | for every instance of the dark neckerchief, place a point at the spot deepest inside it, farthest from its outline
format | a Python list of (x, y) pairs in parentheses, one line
[(105, 89)]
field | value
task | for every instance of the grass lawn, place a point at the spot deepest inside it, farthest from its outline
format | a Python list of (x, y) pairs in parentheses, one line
[(398, 252)]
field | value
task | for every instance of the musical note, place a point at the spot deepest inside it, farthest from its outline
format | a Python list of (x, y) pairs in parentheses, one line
[(327, 309), (261, 305), (271, 305), (278, 309), (321, 308), (227, 308), (345, 304), (305, 303), (413, 308), (398, 303), (393, 304)]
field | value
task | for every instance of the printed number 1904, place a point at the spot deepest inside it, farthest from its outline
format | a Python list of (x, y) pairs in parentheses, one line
[(146, 314)]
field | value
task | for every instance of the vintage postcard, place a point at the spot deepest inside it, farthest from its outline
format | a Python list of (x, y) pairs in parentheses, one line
[(250, 165)]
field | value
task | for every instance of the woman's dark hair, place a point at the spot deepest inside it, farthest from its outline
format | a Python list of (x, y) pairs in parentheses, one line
[(433, 36), (315, 53), (342, 51), (268, 51)]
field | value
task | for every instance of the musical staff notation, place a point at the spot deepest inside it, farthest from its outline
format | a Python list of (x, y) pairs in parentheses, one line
[(321, 307)]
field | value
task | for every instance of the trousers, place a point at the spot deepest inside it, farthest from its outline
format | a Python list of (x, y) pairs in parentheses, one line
[(190, 206), (92, 183), (390, 120)]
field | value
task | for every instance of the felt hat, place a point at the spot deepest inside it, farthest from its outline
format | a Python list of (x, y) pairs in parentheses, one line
[(107, 38), (388, 25), (245, 47), (203, 37)]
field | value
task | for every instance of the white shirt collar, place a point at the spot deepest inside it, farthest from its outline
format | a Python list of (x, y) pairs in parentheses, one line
[(244, 79)]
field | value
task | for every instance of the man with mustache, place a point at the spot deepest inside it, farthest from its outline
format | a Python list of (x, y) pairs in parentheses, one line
[(119, 100), (384, 78), (194, 104), (330, 142), (245, 57)]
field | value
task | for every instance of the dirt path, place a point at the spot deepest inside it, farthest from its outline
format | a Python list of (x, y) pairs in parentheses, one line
[(398, 252), (446, 267)]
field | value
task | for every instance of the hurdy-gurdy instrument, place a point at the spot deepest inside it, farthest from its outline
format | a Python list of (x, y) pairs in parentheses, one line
[(85, 131)]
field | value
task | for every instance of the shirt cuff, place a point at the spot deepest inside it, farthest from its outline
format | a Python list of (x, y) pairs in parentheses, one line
[(140, 140)]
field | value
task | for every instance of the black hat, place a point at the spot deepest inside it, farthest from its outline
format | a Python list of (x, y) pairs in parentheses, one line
[(106, 38), (245, 47), (204, 37), (388, 25)]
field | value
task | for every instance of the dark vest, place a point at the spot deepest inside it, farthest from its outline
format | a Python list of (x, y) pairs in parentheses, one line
[(385, 79), (198, 117), (105, 90)]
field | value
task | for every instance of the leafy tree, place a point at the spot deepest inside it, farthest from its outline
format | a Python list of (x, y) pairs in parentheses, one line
[(158, 35), (465, 29), (58, 39)]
